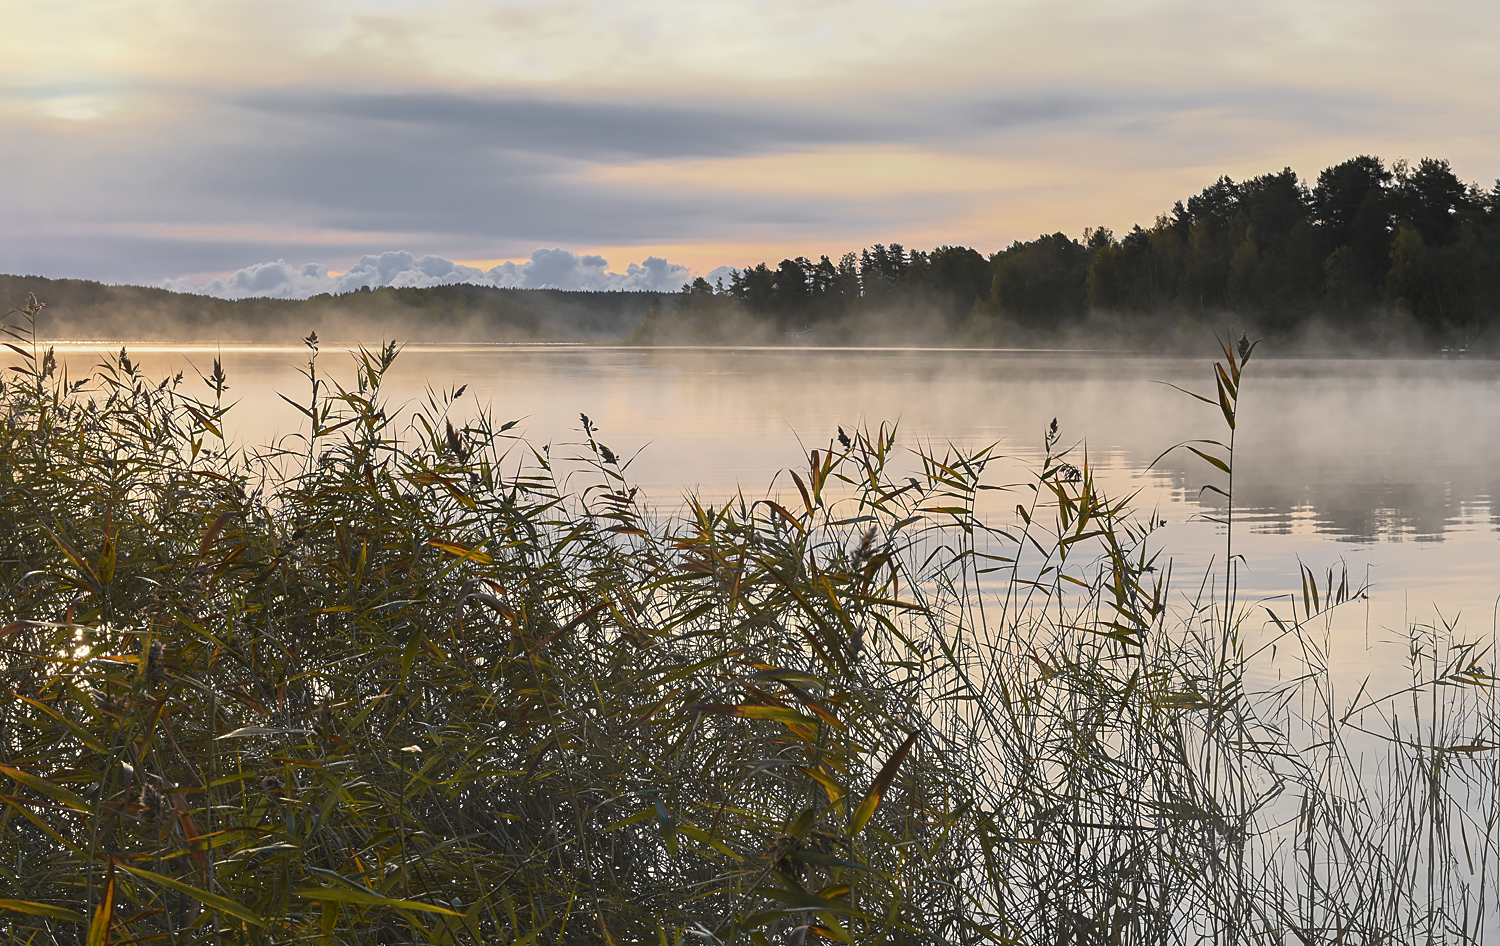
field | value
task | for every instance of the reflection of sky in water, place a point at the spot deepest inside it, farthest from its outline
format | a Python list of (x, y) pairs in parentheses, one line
[(1388, 466)]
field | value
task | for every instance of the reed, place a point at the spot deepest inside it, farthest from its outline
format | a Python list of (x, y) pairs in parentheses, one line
[(398, 681)]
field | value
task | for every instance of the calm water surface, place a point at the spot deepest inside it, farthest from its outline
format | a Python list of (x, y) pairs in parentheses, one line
[(1389, 467)]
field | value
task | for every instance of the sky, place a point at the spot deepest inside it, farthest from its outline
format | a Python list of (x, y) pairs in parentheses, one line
[(286, 147)]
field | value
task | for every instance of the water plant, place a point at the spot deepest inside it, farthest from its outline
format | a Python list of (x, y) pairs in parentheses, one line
[(396, 681)]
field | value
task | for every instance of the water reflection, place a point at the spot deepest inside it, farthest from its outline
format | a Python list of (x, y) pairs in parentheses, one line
[(1390, 466), (1374, 450)]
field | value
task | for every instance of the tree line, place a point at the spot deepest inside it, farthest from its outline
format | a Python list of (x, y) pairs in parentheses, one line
[(1366, 244), (84, 309)]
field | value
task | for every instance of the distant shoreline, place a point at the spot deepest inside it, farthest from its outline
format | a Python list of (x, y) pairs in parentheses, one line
[(195, 346), (84, 314)]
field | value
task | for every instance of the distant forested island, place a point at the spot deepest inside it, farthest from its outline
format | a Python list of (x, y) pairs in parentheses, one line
[(1370, 257)]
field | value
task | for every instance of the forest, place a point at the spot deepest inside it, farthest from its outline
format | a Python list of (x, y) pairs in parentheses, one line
[(84, 309), (1369, 253)]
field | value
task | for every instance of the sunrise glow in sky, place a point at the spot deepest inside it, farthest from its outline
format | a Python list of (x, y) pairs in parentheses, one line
[(153, 140)]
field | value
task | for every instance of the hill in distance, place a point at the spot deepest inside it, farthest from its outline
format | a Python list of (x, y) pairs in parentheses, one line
[(84, 309)]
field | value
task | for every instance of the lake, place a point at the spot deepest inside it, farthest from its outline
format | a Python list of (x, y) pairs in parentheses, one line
[(1390, 468)]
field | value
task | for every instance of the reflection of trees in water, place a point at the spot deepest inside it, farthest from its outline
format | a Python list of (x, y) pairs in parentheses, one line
[(1364, 450), (1406, 499), (1368, 450)]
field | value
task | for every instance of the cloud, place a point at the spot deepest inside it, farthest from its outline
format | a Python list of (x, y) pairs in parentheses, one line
[(173, 193), (564, 269), (721, 274), (168, 137), (553, 268), (588, 128)]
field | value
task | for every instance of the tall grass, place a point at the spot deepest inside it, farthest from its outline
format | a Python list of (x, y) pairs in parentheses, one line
[(394, 681)]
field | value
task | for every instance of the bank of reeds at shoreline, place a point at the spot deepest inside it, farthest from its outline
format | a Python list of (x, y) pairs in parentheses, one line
[(403, 680)]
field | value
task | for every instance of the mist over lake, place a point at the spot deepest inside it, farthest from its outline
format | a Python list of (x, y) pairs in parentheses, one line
[(1389, 468)]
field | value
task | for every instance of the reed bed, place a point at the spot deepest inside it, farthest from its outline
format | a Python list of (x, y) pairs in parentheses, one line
[(401, 680)]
